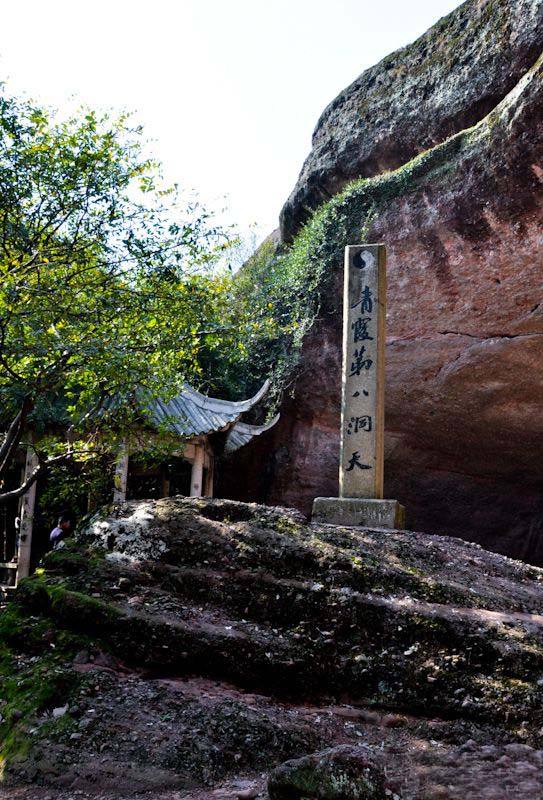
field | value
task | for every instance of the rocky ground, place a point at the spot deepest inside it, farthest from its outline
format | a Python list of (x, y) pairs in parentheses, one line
[(189, 648)]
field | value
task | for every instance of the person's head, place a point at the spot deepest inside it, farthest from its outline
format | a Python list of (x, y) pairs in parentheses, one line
[(64, 522)]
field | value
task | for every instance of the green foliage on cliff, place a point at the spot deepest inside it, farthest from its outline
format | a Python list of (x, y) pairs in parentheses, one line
[(282, 291), (294, 285)]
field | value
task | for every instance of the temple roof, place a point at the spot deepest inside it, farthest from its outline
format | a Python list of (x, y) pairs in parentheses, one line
[(192, 413), (242, 433)]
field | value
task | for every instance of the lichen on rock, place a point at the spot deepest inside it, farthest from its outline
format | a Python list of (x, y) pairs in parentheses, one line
[(126, 534), (417, 97), (339, 773), (253, 638)]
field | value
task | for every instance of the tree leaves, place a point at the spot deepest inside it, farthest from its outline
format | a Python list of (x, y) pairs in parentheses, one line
[(109, 280)]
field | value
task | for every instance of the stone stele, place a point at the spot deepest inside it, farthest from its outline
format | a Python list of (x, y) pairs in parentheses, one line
[(358, 512), (360, 500)]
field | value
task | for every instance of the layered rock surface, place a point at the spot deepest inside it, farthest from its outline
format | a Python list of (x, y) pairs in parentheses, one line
[(193, 646), (447, 80), (464, 386)]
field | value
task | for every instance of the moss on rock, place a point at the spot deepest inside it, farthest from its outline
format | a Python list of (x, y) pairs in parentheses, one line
[(340, 773)]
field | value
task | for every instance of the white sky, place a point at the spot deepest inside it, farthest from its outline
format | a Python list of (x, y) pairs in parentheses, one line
[(229, 90)]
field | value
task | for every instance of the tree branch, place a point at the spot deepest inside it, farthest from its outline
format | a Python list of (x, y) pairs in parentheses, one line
[(5, 497), (13, 435)]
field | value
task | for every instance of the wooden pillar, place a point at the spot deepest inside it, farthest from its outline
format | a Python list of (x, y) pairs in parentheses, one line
[(27, 518), (197, 474), (121, 475), (164, 482), (208, 489)]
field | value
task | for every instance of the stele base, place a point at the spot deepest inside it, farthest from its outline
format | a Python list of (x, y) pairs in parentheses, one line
[(358, 512)]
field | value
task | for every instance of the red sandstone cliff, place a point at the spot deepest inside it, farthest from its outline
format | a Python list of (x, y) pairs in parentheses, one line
[(464, 406)]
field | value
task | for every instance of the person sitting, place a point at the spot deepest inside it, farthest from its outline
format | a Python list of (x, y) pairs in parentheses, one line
[(58, 534)]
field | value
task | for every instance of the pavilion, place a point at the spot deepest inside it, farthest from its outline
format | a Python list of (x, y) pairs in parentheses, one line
[(206, 427)]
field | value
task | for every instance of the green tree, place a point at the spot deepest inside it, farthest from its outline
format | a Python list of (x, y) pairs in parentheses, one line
[(108, 282)]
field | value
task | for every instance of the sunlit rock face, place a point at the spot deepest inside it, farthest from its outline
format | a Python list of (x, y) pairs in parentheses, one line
[(464, 387), (447, 80)]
